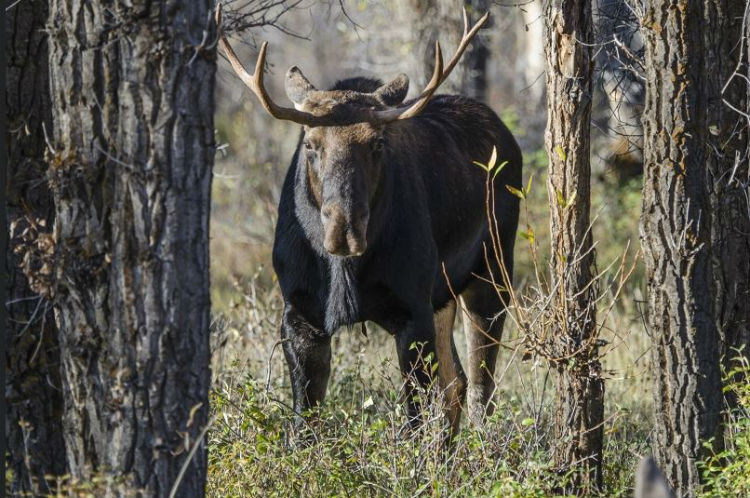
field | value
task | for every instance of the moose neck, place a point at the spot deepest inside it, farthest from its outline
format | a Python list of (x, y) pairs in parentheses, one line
[(342, 307)]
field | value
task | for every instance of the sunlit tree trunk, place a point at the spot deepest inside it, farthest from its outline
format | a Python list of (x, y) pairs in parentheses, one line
[(133, 98), (33, 391), (694, 223), (580, 394)]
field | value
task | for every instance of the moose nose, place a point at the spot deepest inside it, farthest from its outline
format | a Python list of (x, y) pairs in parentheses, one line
[(342, 238)]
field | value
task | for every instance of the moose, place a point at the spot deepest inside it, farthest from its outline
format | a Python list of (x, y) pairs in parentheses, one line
[(384, 218)]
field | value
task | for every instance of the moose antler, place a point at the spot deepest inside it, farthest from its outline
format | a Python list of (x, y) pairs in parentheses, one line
[(404, 111), (464, 43), (255, 82)]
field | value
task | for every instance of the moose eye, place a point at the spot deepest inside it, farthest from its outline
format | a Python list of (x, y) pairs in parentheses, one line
[(379, 144)]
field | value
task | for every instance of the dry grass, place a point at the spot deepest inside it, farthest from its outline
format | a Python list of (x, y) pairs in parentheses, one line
[(361, 447)]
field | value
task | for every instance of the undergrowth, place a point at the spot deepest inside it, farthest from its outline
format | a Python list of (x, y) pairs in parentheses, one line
[(726, 473), (360, 447)]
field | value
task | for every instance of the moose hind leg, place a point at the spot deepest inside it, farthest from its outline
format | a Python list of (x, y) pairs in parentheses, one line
[(483, 326), (450, 373)]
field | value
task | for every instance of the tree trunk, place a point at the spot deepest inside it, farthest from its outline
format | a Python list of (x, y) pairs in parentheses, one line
[(33, 388), (475, 76), (694, 223), (442, 20), (579, 413), (729, 175), (133, 96), (617, 30)]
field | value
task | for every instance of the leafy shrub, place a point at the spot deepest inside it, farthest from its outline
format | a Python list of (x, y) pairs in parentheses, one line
[(726, 473), (359, 446)]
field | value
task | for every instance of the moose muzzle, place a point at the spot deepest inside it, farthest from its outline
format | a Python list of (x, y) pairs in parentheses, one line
[(344, 234)]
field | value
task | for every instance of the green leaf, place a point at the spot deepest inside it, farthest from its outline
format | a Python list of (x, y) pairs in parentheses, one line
[(528, 234), (493, 159), (483, 166), (499, 169), (563, 202), (571, 200), (518, 193), (527, 422), (528, 187), (560, 199), (561, 152)]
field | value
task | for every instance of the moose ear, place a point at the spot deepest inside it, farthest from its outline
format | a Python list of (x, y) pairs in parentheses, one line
[(394, 92), (297, 87)]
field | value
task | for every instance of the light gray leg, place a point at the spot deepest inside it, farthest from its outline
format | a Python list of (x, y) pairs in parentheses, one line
[(450, 373)]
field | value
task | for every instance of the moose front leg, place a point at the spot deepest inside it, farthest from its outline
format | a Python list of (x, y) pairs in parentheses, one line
[(308, 355), (415, 344)]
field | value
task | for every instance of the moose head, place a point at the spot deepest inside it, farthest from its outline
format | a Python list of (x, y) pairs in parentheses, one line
[(345, 137)]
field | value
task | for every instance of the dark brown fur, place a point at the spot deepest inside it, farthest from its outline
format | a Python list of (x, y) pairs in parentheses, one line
[(408, 198)]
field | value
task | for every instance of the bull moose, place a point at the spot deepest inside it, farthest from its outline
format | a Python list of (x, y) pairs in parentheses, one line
[(383, 218)]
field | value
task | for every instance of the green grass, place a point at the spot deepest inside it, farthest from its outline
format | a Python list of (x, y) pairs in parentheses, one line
[(727, 472)]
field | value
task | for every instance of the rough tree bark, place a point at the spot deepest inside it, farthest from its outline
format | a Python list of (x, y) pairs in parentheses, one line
[(694, 225), (728, 49), (133, 97), (442, 20), (580, 394), (33, 390)]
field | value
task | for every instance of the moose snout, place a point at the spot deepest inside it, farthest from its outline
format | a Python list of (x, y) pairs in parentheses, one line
[(343, 235)]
